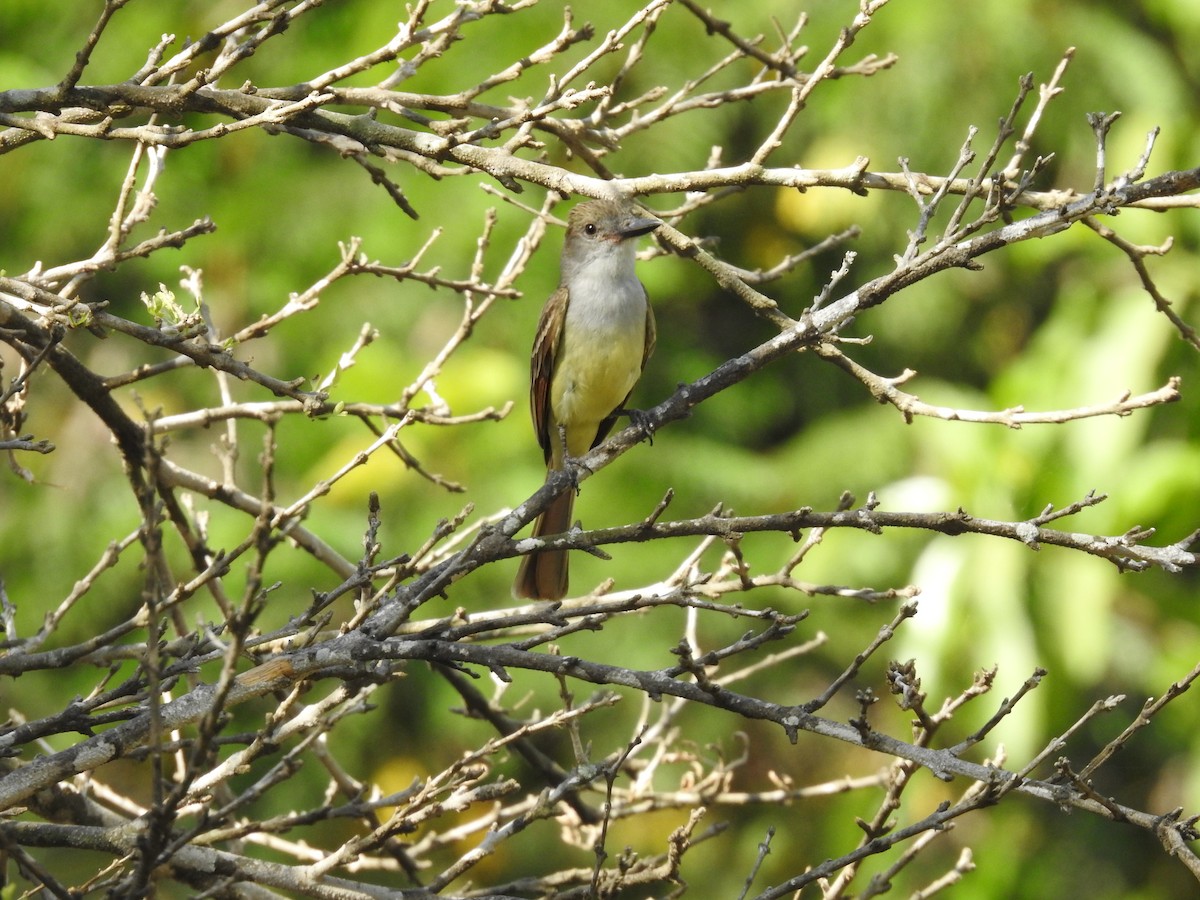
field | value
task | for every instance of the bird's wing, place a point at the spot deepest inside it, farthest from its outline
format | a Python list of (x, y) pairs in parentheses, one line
[(651, 333), (541, 367)]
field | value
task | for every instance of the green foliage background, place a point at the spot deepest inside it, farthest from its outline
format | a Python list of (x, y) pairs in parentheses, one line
[(1049, 324)]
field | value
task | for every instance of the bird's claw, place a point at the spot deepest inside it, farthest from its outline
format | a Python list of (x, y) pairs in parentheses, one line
[(642, 420)]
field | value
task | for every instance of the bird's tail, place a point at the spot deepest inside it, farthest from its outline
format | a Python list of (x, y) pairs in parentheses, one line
[(543, 575)]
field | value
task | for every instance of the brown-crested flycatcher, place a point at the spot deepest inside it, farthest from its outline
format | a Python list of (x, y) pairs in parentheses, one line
[(593, 339)]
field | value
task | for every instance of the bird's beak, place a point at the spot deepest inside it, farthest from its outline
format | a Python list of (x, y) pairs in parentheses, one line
[(635, 226)]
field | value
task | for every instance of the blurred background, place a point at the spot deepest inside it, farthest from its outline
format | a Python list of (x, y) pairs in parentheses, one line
[(1049, 324)]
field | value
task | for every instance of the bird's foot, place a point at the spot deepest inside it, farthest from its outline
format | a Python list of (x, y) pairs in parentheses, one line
[(641, 419), (571, 464)]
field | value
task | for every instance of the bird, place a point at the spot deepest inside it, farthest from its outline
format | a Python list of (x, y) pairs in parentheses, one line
[(593, 338)]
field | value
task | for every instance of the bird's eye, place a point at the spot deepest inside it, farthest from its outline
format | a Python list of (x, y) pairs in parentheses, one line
[(589, 228)]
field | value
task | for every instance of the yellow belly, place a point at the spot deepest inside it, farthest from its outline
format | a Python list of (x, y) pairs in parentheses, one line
[(591, 379)]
